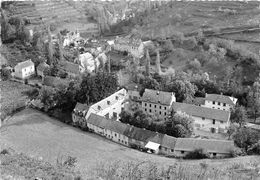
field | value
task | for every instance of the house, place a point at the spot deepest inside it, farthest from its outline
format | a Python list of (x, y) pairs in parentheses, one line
[(215, 148), (41, 68), (24, 70), (79, 112), (157, 102), (219, 101), (71, 69), (207, 119), (135, 47), (109, 107), (133, 91)]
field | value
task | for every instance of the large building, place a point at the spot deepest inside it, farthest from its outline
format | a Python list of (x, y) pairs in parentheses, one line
[(157, 102), (109, 107), (135, 47), (154, 142), (207, 119), (24, 70)]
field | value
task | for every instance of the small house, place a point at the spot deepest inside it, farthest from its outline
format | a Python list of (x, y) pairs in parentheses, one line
[(24, 70), (41, 68)]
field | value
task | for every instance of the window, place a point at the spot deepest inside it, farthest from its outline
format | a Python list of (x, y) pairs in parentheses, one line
[(165, 113), (114, 114), (221, 122), (172, 150), (119, 140), (145, 104), (165, 149), (145, 109), (154, 106), (182, 152), (224, 104), (213, 122), (214, 154), (203, 118), (116, 97), (150, 110), (115, 134), (125, 142), (150, 105), (165, 108), (160, 112), (219, 103), (108, 102), (213, 102), (99, 108), (160, 107)]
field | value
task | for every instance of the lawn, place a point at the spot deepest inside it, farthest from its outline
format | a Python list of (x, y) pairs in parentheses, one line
[(38, 135), (12, 96)]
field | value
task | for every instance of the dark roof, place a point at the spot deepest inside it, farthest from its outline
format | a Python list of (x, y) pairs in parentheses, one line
[(42, 66), (157, 97), (133, 86), (70, 67), (139, 134), (54, 81), (199, 101), (81, 107), (219, 98), (210, 145), (97, 120), (168, 141), (199, 111)]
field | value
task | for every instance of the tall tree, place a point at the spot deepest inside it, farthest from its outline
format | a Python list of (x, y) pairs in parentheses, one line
[(50, 50), (238, 115), (60, 47), (158, 61), (254, 98), (148, 61)]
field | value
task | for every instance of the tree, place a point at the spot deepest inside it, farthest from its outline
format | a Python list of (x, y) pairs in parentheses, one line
[(238, 115), (254, 98), (7, 31), (148, 61), (60, 47), (50, 48)]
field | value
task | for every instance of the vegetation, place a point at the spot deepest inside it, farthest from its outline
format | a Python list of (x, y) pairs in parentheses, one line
[(197, 154)]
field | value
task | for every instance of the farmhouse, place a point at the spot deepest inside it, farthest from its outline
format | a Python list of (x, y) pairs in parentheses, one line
[(157, 102), (219, 101), (135, 47), (24, 70), (207, 119), (216, 148)]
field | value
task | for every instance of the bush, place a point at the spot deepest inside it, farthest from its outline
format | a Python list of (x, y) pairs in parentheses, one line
[(237, 152), (5, 74), (4, 152), (197, 154)]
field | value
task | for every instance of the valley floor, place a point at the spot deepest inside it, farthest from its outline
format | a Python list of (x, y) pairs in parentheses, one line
[(38, 135)]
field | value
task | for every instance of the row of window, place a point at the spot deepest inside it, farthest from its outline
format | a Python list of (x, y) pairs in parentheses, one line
[(160, 112), (224, 104), (121, 141), (155, 106), (213, 121)]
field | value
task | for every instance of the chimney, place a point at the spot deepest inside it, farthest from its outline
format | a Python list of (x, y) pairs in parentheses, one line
[(158, 92)]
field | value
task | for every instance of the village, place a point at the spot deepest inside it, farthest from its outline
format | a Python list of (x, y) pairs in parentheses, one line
[(162, 93)]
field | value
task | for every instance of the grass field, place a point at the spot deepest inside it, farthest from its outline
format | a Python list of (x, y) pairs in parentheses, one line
[(12, 96), (38, 135)]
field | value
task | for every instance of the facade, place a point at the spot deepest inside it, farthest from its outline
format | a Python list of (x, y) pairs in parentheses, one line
[(133, 91), (41, 67), (154, 142), (109, 107), (219, 101), (24, 70), (157, 102), (207, 119), (135, 47), (215, 148)]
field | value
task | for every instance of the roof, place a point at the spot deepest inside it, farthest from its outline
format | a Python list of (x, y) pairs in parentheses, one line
[(133, 86), (54, 81), (24, 64), (103, 104), (97, 120), (81, 107), (168, 141), (253, 126), (199, 111), (70, 67), (210, 145), (42, 66), (139, 134), (157, 97), (199, 101), (128, 41), (152, 145), (220, 98)]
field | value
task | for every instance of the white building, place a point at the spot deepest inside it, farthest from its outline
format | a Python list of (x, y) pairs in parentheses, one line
[(219, 101), (24, 69), (207, 119), (157, 102)]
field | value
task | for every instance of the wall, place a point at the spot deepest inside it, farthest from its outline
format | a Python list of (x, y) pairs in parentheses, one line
[(156, 109), (209, 104), (179, 153), (25, 72)]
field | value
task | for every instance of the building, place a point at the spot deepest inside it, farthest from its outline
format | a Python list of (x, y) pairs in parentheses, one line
[(207, 119), (79, 113), (41, 68), (135, 47), (220, 101), (215, 148), (133, 91), (70, 38), (24, 70), (157, 102), (109, 107), (87, 61), (71, 69)]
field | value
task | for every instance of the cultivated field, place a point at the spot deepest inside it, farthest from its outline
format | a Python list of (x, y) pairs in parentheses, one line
[(38, 135)]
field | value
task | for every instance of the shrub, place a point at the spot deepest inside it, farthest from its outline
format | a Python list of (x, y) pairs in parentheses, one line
[(5, 74), (4, 152), (237, 152), (197, 154)]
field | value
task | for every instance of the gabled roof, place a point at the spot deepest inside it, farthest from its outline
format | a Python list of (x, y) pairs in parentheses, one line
[(199, 101), (220, 98), (70, 67), (81, 107), (139, 134), (157, 97), (42, 66), (199, 111), (97, 120), (24, 64), (210, 145), (168, 141)]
